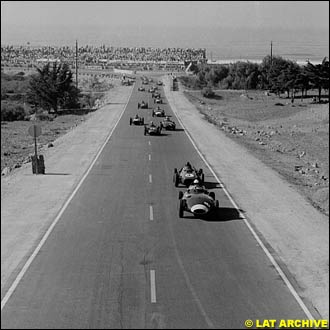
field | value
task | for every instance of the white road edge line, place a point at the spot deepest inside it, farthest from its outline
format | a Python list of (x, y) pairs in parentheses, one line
[(151, 213), (268, 254), (152, 286), (150, 178), (50, 229)]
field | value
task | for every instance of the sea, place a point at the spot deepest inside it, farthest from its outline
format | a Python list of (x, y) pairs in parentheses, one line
[(221, 44)]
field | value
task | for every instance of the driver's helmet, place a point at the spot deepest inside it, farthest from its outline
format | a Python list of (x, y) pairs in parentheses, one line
[(152, 123), (136, 116), (196, 181)]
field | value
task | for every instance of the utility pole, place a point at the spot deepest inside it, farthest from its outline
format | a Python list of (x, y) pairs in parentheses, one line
[(271, 52), (77, 64)]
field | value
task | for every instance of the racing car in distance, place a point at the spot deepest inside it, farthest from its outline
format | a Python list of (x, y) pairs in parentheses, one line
[(152, 129), (159, 83), (143, 105), (158, 100), (198, 201), (141, 89), (155, 95), (168, 124), (187, 174), (158, 112), (136, 120), (151, 90)]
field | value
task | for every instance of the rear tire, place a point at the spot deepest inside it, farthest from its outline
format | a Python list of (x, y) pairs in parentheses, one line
[(212, 195), (130, 121), (181, 208), (180, 194), (176, 179)]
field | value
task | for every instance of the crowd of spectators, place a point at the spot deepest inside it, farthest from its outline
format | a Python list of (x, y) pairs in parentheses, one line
[(103, 55)]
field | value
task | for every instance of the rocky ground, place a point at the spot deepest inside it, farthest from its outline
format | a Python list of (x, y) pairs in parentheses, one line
[(293, 139)]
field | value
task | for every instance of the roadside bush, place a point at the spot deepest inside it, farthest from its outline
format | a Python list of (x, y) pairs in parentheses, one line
[(11, 112), (45, 116), (208, 92), (88, 100)]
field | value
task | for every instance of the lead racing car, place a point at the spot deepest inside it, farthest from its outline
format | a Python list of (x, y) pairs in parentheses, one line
[(136, 120), (187, 174), (152, 129), (198, 201)]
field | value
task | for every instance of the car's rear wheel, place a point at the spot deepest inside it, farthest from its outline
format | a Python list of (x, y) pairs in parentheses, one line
[(180, 194), (130, 121), (181, 208), (145, 131), (212, 195), (176, 179)]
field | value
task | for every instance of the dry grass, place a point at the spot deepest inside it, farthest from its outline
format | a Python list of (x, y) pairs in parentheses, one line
[(17, 145), (293, 139)]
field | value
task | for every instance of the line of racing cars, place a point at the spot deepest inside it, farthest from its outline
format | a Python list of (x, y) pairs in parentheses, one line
[(196, 200), (152, 129)]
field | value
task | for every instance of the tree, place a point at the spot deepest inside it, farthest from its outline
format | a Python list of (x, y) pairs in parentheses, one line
[(52, 88), (318, 75)]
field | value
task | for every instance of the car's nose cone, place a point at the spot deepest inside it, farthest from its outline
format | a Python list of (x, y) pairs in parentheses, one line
[(199, 209)]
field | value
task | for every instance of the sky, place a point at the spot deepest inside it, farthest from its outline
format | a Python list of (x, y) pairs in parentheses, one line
[(238, 14)]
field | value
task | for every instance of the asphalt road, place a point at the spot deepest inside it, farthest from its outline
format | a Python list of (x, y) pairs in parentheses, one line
[(120, 256)]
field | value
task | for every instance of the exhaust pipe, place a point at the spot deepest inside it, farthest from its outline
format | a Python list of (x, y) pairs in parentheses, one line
[(199, 209)]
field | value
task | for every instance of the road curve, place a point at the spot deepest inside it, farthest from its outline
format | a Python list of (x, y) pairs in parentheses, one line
[(120, 256)]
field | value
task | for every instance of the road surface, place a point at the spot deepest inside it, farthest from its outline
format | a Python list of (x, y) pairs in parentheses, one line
[(120, 256)]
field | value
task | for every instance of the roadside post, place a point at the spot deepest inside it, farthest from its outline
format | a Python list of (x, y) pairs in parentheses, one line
[(38, 164)]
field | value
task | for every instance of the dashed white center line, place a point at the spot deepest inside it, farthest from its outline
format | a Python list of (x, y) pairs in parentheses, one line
[(149, 143), (149, 157), (151, 213), (152, 286), (150, 178)]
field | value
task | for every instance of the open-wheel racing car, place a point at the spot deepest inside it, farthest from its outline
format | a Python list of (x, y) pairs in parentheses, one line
[(136, 120), (158, 112), (168, 124), (143, 105), (187, 174), (158, 100), (198, 201), (141, 89), (152, 129), (156, 95)]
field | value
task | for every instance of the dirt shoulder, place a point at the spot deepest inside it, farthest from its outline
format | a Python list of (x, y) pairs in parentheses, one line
[(296, 233), (292, 139)]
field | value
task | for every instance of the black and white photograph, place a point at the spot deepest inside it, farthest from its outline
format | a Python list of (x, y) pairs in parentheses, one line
[(164, 164)]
